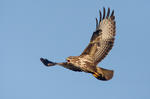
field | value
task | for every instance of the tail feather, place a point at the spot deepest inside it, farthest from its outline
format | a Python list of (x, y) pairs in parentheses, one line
[(103, 74)]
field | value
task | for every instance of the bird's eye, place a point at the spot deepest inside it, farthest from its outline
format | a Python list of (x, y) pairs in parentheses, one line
[(68, 60)]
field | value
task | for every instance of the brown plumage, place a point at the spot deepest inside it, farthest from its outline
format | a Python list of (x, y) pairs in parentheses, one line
[(100, 44)]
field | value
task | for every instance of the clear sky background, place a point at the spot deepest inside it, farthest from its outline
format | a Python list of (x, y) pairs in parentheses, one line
[(56, 29)]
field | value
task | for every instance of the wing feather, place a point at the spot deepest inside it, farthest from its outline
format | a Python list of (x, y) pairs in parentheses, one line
[(103, 13), (103, 38), (100, 16)]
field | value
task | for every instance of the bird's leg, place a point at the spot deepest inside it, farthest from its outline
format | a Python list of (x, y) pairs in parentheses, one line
[(95, 74), (47, 62)]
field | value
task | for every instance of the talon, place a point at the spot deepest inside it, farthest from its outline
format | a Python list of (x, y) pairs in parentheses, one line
[(95, 74)]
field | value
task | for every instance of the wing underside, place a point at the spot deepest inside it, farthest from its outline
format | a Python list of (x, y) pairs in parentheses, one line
[(70, 66), (103, 38)]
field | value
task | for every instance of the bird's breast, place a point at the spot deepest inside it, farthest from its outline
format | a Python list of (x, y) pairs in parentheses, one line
[(84, 64)]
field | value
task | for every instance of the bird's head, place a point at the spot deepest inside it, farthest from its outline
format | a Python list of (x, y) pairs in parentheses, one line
[(70, 59)]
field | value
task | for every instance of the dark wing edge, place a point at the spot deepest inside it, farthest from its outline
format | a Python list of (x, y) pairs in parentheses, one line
[(46, 62), (103, 38)]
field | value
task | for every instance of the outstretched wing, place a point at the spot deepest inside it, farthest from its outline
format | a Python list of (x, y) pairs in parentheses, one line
[(48, 63), (103, 38)]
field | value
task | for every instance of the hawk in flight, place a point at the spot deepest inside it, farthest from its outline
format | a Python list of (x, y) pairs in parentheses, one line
[(100, 44)]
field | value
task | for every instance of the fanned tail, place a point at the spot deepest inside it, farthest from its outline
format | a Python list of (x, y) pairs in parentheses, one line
[(103, 74)]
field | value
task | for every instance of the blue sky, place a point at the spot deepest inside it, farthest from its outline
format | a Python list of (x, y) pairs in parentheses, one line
[(56, 29)]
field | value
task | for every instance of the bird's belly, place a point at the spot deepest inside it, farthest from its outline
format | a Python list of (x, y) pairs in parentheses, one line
[(85, 66)]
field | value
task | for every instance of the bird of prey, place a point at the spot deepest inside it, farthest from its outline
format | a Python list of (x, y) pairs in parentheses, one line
[(100, 44)]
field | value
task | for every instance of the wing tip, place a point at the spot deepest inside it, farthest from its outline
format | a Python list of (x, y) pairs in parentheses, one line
[(112, 15), (102, 17)]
